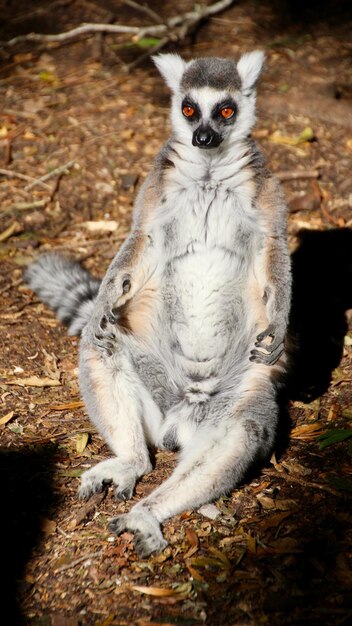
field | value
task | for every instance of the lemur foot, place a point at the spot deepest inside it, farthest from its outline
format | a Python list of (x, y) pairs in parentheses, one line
[(121, 474), (268, 353), (148, 536)]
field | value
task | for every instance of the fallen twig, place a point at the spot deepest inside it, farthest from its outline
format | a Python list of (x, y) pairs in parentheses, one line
[(329, 218), (15, 283), (302, 481), (174, 29), (86, 509), (297, 175), (56, 172), (25, 206), (12, 174), (85, 557), (59, 436), (144, 9)]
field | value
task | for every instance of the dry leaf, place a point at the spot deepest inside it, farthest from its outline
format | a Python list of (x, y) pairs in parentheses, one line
[(6, 418), (221, 556), (15, 227), (34, 381), (159, 592), (50, 367), (265, 501), (192, 537), (101, 226), (296, 468), (75, 404), (193, 540), (284, 545), (251, 543), (275, 520), (286, 505), (307, 431), (306, 135), (81, 442), (194, 573), (48, 526)]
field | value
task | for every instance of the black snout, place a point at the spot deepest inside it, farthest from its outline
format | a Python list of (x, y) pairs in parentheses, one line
[(206, 137)]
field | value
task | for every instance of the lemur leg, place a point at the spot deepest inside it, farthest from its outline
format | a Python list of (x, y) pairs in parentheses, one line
[(124, 412), (212, 462)]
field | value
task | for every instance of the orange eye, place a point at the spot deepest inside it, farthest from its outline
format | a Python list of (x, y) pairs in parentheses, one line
[(227, 112), (188, 111)]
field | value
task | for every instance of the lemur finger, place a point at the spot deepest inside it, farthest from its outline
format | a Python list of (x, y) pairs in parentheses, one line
[(124, 494), (118, 524), (271, 347), (104, 343), (267, 359), (268, 332), (112, 316), (148, 544), (126, 284)]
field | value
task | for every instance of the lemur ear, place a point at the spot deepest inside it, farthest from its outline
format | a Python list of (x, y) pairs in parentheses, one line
[(171, 67), (249, 68)]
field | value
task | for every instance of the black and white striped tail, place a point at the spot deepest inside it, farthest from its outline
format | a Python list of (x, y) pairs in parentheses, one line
[(66, 287)]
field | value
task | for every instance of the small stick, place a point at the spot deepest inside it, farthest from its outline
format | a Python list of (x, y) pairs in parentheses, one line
[(296, 175), (24, 206), (147, 54), (86, 509), (305, 483), (86, 557), (329, 218), (56, 172), (185, 20), (144, 9), (15, 283), (12, 174), (85, 28)]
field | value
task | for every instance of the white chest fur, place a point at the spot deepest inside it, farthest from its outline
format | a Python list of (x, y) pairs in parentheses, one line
[(210, 231)]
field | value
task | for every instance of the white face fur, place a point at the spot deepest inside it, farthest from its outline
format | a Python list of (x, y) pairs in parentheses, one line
[(213, 100)]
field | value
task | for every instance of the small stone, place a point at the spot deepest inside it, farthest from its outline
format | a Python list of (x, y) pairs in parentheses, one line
[(209, 510)]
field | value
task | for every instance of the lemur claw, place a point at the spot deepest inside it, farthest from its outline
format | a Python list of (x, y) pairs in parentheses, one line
[(267, 359), (268, 353)]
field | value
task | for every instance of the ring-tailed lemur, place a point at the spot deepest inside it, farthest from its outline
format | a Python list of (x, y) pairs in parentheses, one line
[(182, 343)]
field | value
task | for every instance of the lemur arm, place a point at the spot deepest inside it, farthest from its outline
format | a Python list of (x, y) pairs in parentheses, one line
[(274, 276), (127, 273)]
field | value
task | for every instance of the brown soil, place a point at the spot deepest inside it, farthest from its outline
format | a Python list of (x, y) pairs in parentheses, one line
[(279, 551)]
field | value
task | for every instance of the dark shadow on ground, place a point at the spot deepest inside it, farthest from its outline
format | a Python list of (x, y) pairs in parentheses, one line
[(322, 293), (27, 497)]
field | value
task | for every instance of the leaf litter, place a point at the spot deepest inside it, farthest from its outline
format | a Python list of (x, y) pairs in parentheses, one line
[(286, 534)]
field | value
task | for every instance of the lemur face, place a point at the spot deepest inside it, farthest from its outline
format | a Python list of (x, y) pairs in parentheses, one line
[(210, 116), (213, 99)]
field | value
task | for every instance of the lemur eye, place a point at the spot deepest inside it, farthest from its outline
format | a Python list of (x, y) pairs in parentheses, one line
[(227, 112), (188, 111)]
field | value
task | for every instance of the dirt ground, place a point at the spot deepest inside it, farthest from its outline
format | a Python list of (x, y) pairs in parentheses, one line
[(279, 549)]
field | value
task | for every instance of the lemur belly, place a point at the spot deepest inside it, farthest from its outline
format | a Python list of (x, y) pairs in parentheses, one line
[(209, 278), (209, 302)]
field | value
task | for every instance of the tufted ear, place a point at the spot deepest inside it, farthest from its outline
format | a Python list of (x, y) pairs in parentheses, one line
[(249, 68), (171, 67)]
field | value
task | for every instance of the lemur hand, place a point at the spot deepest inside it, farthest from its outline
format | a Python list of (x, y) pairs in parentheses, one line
[(101, 329), (117, 293), (269, 351)]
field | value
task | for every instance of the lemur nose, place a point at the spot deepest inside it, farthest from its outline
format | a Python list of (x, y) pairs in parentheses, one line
[(204, 138)]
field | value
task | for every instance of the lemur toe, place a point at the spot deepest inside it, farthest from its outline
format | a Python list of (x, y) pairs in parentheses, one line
[(146, 545)]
